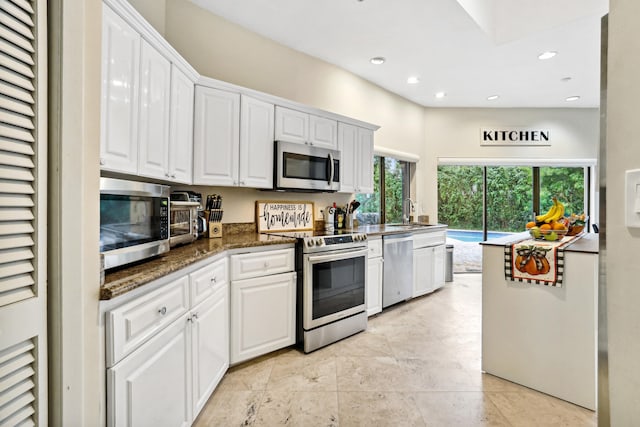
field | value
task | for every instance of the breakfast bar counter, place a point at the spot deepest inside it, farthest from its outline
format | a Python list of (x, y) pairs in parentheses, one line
[(542, 334)]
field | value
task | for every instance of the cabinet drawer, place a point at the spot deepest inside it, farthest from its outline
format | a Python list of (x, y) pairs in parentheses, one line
[(375, 248), (133, 323), (207, 281), (421, 240), (263, 263)]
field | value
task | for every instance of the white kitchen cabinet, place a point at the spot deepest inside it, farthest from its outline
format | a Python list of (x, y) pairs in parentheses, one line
[(152, 386), (374, 276), (263, 315), (181, 127), (119, 103), (256, 143), (303, 128), (153, 126), (428, 262), (210, 344), (356, 159), (216, 138), (262, 263)]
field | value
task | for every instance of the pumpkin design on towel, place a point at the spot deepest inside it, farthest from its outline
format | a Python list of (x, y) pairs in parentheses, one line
[(532, 260)]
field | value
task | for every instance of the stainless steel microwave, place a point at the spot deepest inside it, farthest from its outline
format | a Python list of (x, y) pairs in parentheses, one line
[(306, 168), (134, 221)]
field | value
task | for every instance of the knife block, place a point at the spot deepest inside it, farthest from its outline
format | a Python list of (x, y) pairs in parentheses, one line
[(214, 218)]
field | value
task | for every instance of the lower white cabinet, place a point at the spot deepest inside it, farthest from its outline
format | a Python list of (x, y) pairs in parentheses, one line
[(152, 386), (374, 277), (263, 315), (209, 345), (167, 379), (428, 269)]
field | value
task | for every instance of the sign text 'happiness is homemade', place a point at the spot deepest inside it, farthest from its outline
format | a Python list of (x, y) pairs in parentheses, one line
[(284, 216)]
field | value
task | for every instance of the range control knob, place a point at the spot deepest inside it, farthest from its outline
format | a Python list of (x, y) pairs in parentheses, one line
[(310, 243), (319, 242)]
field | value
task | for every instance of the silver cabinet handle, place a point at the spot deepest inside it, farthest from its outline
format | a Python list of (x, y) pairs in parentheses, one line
[(173, 175), (163, 311), (213, 280), (195, 316), (102, 162)]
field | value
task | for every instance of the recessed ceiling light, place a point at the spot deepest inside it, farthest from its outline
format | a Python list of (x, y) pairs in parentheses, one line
[(377, 60), (413, 80), (572, 98), (440, 95), (493, 97), (547, 55)]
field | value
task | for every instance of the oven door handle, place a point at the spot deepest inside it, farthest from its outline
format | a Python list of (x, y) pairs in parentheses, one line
[(338, 255)]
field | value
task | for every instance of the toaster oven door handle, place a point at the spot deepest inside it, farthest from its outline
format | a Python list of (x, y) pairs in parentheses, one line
[(331, 169)]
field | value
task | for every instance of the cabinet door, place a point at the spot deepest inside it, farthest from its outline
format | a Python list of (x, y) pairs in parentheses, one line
[(439, 254), (323, 132), (347, 143), (374, 286), (216, 138), (263, 313), (291, 125), (152, 387), (210, 345), (153, 128), (119, 112), (422, 271), (364, 158), (181, 127), (256, 143)]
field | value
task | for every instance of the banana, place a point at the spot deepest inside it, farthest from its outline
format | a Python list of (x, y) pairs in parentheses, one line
[(550, 213), (559, 212)]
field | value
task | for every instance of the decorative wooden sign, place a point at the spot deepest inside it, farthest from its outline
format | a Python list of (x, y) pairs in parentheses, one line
[(274, 215)]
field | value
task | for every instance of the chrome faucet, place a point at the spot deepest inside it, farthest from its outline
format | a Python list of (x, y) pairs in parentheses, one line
[(406, 217)]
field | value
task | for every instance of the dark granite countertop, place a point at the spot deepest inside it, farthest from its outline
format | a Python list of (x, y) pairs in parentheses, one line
[(586, 243), (383, 229), (126, 279)]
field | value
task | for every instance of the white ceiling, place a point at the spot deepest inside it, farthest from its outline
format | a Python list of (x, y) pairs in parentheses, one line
[(469, 49)]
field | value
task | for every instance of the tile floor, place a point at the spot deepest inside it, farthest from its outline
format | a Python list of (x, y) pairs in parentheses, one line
[(417, 364)]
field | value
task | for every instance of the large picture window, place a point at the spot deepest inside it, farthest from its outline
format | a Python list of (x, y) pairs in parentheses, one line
[(390, 189)]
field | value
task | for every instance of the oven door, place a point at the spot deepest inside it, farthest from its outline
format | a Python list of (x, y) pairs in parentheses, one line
[(334, 286)]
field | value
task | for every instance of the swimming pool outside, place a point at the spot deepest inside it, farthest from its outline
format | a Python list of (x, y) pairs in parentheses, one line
[(473, 235)]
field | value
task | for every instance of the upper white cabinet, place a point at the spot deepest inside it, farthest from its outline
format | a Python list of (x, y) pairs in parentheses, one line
[(119, 113), (153, 125), (233, 139), (147, 107), (356, 148), (304, 128), (216, 138), (181, 127), (256, 143)]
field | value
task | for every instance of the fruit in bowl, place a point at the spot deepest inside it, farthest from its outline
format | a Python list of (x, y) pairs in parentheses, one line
[(551, 226), (575, 223), (548, 234)]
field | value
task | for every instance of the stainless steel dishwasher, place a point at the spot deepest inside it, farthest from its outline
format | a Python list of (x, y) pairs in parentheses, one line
[(397, 252)]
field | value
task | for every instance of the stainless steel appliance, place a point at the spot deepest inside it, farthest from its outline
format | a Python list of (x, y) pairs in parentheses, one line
[(306, 168), (398, 268), (332, 273), (184, 222), (134, 221)]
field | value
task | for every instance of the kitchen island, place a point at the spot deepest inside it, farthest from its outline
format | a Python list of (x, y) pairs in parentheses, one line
[(543, 336)]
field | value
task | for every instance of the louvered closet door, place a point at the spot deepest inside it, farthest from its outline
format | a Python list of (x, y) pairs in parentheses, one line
[(23, 267)]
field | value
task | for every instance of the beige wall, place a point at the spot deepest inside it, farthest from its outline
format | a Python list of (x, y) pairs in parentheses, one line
[(623, 244), (153, 11), (455, 132)]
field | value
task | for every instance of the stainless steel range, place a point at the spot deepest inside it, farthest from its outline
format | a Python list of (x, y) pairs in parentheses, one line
[(332, 272)]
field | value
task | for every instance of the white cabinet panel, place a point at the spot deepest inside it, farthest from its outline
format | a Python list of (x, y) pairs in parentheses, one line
[(181, 127), (216, 137), (356, 148), (208, 280), (323, 132), (347, 143), (256, 143), (135, 322), (374, 285), (153, 128), (152, 386), (428, 269), (210, 345), (375, 247), (254, 264), (263, 315), (119, 111), (291, 125)]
